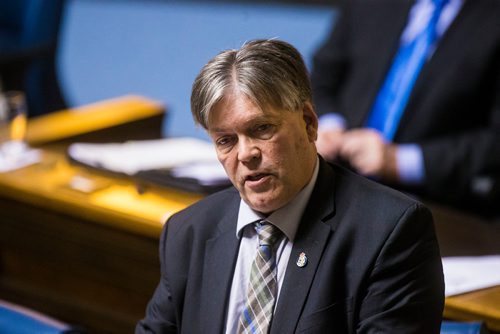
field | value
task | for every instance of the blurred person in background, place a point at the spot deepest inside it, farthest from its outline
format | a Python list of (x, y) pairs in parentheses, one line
[(408, 94)]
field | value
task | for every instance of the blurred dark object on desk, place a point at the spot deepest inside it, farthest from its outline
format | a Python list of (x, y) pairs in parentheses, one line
[(29, 35), (165, 178), (482, 198), (486, 194), (463, 234)]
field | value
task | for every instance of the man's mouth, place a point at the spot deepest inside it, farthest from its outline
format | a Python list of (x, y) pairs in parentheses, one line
[(255, 177)]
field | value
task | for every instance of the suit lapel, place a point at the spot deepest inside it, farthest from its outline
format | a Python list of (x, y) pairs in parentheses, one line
[(221, 253), (312, 237)]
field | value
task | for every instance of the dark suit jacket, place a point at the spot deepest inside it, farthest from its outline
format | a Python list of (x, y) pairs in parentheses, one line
[(454, 110), (374, 264)]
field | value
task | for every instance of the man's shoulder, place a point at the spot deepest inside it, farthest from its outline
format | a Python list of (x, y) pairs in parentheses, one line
[(363, 206), (354, 189), (209, 209), (214, 203)]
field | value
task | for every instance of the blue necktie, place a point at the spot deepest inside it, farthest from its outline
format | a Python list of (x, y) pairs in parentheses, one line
[(393, 96)]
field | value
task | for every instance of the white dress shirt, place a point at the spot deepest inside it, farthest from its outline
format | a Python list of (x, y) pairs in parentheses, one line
[(287, 219)]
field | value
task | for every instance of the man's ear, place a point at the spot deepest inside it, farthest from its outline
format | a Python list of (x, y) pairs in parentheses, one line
[(311, 120)]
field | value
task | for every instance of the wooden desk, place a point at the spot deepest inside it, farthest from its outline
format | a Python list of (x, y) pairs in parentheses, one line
[(479, 305), (461, 234), (88, 257)]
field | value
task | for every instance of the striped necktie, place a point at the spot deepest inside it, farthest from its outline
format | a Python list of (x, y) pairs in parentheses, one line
[(395, 92), (263, 287)]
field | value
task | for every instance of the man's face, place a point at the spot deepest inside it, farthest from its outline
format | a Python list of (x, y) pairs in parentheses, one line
[(268, 155)]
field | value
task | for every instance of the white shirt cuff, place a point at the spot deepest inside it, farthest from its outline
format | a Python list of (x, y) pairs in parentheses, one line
[(410, 164), (332, 121)]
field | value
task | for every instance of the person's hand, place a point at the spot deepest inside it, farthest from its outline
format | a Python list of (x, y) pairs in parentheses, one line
[(328, 142), (368, 153)]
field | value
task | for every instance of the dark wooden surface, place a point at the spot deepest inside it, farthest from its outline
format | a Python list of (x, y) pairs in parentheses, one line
[(75, 269)]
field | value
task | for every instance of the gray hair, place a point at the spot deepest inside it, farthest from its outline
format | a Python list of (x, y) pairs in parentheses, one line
[(271, 73)]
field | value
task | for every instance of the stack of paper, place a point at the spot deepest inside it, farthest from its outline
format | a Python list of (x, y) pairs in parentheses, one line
[(183, 157), (465, 274)]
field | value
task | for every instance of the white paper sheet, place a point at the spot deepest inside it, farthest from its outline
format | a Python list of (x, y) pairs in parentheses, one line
[(25, 156), (465, 274), (185, 156), (133, 156)]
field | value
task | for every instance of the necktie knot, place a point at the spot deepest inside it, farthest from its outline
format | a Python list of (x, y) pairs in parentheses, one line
[(268, 234)]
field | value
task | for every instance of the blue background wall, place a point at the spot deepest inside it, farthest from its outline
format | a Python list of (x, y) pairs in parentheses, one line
[(155, 48)]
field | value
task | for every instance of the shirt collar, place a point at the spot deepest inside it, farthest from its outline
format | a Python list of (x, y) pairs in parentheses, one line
[(286, 218)]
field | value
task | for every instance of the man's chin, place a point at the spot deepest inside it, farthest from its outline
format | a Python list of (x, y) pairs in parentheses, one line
[(263, 203)]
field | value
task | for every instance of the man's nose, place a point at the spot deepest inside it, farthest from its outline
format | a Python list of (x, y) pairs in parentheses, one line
[(248, 150)]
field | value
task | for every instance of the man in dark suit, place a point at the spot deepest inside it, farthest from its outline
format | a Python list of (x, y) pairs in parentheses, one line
[(447, 144), (347, 255)]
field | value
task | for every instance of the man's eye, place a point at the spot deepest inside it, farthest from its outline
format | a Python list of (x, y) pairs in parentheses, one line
[(263, 127), (223, 142), (264, 131)]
